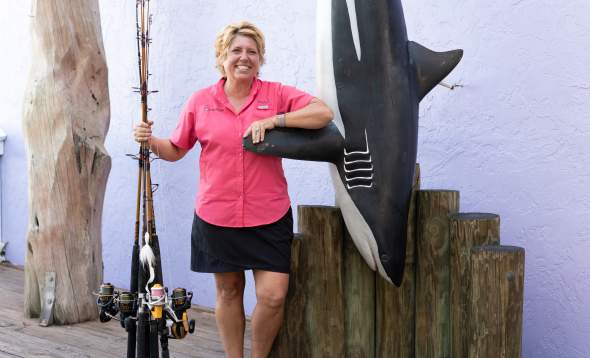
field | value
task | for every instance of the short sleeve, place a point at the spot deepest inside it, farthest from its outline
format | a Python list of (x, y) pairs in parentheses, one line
[(292, 99), (185, 135)]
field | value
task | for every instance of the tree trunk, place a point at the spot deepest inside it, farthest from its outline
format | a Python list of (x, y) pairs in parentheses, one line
[(66, 118)]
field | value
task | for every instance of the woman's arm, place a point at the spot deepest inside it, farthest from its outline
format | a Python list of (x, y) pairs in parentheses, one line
[(163, 147), (315, 115)]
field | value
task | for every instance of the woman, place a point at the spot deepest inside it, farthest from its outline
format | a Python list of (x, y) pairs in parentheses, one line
[(242, 217)]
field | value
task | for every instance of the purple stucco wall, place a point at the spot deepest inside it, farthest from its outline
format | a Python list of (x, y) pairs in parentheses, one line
[(513, 139)]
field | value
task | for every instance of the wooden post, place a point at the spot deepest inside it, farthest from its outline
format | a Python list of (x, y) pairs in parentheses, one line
[(467, 230), (395, 307), (291, 340), (433, 272), (330, 308), (359, 303), (321, 304), (66, 118), (495, 309)]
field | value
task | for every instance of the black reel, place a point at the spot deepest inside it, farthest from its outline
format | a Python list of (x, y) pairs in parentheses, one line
[(127, 303), (180, 303), (106, 302)]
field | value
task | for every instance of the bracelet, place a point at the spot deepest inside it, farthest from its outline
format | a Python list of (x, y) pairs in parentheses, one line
[(281, 120)]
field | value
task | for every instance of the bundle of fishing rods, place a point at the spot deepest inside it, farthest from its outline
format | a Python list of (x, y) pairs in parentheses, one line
[(149, 315)]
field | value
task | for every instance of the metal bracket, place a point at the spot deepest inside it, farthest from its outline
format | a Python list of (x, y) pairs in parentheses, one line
[(3, 250), (48, 300), (451, 87)]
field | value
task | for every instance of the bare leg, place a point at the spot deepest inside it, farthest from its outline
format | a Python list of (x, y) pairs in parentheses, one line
[(271, 290), (229, 312)]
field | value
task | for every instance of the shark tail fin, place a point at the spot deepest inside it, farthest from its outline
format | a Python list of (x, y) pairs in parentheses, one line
[(431, 67)]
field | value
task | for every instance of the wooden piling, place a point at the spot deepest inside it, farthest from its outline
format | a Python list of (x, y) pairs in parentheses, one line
[(319, 304), (395, 306), (466, 231), (495, 308), (458, 299), (291, 340), (433, 272), (359, 303)]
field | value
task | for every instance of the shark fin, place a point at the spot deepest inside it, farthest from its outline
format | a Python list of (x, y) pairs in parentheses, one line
[(319, 145), (431, 67)]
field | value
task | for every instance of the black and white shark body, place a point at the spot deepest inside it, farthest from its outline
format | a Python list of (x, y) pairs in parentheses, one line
[(373, 78)]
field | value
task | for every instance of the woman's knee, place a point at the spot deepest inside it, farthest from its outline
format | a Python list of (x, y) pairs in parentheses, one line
[(230, 287), (271, 298)]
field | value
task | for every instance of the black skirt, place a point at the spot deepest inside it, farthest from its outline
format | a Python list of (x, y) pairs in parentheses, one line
[(230, 249)]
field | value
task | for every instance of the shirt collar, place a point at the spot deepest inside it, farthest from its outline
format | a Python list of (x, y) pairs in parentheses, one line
[(219, 94)]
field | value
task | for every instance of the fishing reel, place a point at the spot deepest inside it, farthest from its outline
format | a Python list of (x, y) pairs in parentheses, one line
[(112, 302), (173, 309), (106, 302), (127, 304), (181, 302)]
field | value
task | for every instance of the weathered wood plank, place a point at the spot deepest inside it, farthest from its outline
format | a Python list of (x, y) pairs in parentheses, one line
[(395, 307), (433, 272), (359, 303), (322, 230), (330, 309), (15, 340), (467, 230), (315, 320), (89, 339), (291, 340), (495, 309)]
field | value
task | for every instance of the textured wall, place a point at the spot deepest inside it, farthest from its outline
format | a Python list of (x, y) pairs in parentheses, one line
[(511, 140), (514, 142), (14, 68)]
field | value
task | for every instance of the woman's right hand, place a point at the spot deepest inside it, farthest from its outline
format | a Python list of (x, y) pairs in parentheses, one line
[(142, 132)]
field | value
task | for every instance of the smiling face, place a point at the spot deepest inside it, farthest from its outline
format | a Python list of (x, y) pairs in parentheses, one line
[(242, 60)]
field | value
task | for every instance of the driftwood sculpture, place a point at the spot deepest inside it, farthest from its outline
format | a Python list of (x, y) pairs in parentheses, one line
[(66, 118)]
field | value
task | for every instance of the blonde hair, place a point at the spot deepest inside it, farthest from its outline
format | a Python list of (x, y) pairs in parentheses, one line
[(229, 33)]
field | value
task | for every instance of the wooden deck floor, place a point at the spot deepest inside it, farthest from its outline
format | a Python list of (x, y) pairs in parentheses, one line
[(20, 337)]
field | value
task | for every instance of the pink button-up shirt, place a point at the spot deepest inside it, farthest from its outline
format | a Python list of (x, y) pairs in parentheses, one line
[(237, 188)]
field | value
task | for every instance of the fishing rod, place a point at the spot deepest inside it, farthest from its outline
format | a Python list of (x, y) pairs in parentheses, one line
[(146, 311)]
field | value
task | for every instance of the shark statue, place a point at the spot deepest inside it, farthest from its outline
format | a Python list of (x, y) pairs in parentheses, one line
[(373, 78)]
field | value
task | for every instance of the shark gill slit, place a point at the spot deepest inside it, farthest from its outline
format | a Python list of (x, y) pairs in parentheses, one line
[(358, 167)]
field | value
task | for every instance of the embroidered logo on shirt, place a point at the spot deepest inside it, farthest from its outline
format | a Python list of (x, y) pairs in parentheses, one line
[(206, 108)]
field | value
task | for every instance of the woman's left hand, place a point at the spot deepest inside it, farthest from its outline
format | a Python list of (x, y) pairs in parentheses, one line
[(258, 129)]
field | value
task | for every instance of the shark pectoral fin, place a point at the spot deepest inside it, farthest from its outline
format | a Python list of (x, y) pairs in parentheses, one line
[(431, 67), (319, 145)]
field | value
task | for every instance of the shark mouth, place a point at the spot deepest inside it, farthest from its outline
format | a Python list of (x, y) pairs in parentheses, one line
[(373, 78)]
